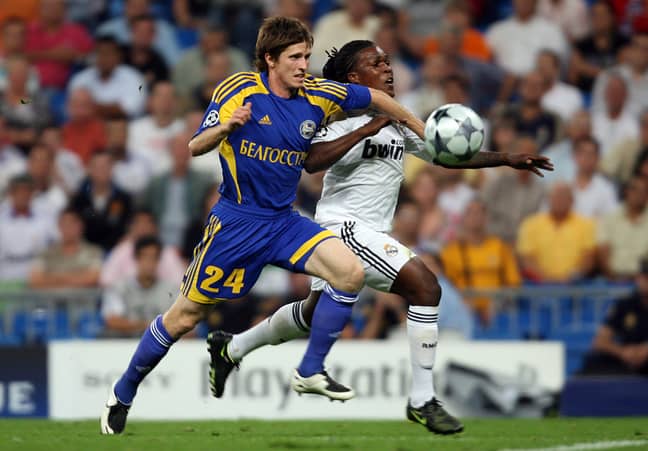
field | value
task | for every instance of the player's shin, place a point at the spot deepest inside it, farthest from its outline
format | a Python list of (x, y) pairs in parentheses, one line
[(422, 333), (152, 347), (286, 324), (331, 314)]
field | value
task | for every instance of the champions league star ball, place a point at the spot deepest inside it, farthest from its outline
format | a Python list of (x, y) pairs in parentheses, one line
[(453, 134)]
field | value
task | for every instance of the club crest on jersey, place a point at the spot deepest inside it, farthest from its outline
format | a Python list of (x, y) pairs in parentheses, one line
[(390, 250), (211, 119), (307, 129)]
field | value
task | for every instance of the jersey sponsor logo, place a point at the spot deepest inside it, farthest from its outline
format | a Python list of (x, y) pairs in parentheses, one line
[(390, 250), (271, 154), (393, 150), (265, 120), (307, 129), (211, 119)]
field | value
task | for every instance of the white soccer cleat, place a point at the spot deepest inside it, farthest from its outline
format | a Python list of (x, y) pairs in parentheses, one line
[(113, 416), (321, 384)]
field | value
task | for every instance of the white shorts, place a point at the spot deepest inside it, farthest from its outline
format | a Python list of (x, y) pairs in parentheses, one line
[(381, 255)]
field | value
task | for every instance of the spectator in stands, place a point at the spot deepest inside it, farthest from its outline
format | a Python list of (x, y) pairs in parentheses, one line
[(559, 98), (121, 29), (141, 54), (127, 307), (404, 78), (528, 114), (84, 132), (195, 230), (599, 50), (12, 161), (406, 222), (175, 197), (633, 68), (131, 171), (23, 233), (513, 195), (623, 235), (190, 70), (149, 137), (641, 167), (429, 95), (55, 45), (120, 264), (70, 263), (457, 21), (69, 168), (478, 260), (516, 41), (117, 89), (13, 37), (454, 196), (615, 123), (217, 69), (557, 246), (205, 163), (105, 209), (19, 107), (562, 153), (621, 342), (571, 15), (430, 222), (619, 164), (594, 195), (49, 196), (354, 21)]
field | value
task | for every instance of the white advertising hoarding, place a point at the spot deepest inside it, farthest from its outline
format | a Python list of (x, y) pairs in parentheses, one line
[(81, 372)]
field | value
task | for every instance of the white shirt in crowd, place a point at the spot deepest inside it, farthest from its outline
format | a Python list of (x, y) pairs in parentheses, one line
[(611, 132), (563, 100), (12, 163), (150, 142), (637, 99), (125, 86), (571, 15), (363, 185), (597, 199), (516, 44)]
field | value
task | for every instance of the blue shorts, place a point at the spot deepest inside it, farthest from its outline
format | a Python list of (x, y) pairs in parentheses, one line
[(237, 244)]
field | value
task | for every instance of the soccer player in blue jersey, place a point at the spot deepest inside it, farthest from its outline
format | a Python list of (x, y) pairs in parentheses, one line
[(264, 123)]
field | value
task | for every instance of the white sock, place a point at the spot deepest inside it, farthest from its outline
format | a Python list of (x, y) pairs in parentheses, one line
[(285, 324), (422, 333)]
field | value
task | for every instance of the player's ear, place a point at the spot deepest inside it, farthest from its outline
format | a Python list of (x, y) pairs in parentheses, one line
[(269, 60), (353, 77)]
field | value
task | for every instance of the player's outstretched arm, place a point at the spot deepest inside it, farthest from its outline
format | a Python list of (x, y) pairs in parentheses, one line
[(383, 102), (210, 138), (486, 159), (323, 155)]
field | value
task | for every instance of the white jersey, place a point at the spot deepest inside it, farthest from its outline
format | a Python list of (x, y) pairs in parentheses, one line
[(363, 185)]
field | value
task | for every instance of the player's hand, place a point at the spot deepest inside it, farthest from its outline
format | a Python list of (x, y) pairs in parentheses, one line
[(240, 116), (531, 163), (376, 124)]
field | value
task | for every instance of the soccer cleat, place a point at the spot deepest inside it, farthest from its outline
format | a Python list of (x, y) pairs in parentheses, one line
[(434, 417), (321, 384), (113, 417), (221, 364)]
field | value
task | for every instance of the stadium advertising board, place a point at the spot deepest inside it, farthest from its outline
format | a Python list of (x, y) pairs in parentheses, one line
[(80, 374), (23, 382)]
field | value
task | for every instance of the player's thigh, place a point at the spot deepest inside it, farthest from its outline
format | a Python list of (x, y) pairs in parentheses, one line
[(417, 284), (381, 255), (227, 261), (334, 262)]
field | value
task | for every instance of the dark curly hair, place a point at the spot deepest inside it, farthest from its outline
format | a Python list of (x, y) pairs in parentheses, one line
[(341, 62)]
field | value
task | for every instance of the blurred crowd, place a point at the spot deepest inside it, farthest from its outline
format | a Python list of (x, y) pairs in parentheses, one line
[(99, 98)]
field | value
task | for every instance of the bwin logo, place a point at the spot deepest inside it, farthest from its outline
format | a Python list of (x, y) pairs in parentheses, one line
[(393, 150)]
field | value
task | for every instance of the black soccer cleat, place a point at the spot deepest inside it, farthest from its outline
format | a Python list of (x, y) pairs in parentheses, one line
[(113, 417), (220, 364), (434, 417), (321, 384)]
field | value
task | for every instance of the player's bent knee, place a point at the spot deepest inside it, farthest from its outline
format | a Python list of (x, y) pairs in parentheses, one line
[(417, 284), (183, 316), (349, 278)]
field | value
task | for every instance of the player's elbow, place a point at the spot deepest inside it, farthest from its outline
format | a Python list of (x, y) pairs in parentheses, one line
[(310, 166), (194, 147)]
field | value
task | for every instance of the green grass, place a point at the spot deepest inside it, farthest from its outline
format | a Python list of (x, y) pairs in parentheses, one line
[(482, 435)]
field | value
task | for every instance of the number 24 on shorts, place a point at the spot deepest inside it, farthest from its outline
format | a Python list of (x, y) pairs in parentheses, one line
[(234, 280)]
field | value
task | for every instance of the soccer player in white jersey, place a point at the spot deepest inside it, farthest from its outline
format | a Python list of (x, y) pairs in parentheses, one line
[(364, 156)]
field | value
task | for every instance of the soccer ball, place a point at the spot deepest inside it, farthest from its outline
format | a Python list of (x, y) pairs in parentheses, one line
[(453, 133)]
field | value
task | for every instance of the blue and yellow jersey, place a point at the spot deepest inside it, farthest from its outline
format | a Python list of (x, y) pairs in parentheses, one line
[(262, 160)]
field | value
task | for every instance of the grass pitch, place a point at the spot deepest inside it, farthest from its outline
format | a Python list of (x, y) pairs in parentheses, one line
[(483, 435)]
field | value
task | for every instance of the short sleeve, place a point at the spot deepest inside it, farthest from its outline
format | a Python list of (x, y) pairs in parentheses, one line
[(415, 145), (333, 97), (113, 304)]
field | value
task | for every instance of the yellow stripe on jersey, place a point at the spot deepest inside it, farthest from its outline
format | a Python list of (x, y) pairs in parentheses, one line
[(327, 89), (310, 244), (210, 230), (189, 289), (329, 107), (233, 86), (322, 83), (229, 81), (227, 151)]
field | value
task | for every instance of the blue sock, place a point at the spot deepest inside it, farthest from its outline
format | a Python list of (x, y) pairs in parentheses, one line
[(153, 346), (331, 314)]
